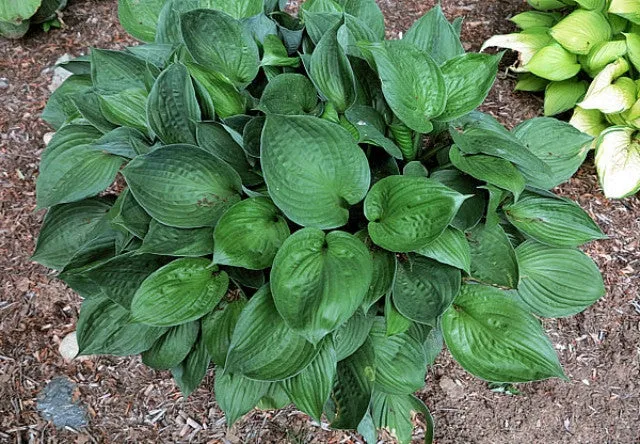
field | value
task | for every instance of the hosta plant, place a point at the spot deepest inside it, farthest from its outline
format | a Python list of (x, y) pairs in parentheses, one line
[(585, 56), (17, 15), (309, 209)]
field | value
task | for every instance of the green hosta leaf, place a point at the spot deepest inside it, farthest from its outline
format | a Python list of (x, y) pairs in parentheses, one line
[(237, 395), (310, 389), (217, 329), (423, 289), (190, 372), (220, 43), (318, 281), (563, 96), (553, 62), (562, 148), (394, 413), (582, 30), (317, 24), (226, 98), (493, 170), (321, 6), (214, 138), (172, 348), (104, 328), (61, 106), (496, 340), (406, 213), (183, 186), (450, 248), (172, 108), (17, 11), (88, 105), (127, 108), (412, 82), (249, 234), (115, 71), (472, 209), (353, 386), (396, 322), (314, 170), (627, 9), (468, 79), (67, 229), (182, 291), (434, 35), (557, 282), (289, 94), (367, 429), (433, 345), (384, 270), (415, 168), (350, 336), (120, 277), (535, 19), (552, 221), (618, 161), (170, 241), (263, 29), (157, 54), (633, 48), (243, 277), (129, 215), (238, 8), (12, 30), (275, 53), (368, 12), (401, 363), (353, 31), (331, 72), (140, 17), (370, 127), (493, 260), (263, 347)]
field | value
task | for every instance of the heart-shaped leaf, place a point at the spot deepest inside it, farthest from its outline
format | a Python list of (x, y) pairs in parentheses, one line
[(314, 170), (318, 280), (289, 94), (182, 291)]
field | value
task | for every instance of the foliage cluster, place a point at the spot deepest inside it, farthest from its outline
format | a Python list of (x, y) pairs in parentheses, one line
[(309, 207), (17, 15)]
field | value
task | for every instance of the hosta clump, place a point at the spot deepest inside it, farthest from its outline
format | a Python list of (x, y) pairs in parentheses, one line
[(585, 56), (17, 15), (284, 218)]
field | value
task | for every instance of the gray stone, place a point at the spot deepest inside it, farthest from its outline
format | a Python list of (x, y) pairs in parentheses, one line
[(55, 403), (4, 83)]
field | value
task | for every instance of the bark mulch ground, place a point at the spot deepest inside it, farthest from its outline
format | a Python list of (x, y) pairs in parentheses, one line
[(127, 402)]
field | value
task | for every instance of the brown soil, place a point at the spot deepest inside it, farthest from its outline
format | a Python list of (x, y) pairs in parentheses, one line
[(127, 402)]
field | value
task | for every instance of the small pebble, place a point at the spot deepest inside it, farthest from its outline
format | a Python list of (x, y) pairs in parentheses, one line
[(4, 83)]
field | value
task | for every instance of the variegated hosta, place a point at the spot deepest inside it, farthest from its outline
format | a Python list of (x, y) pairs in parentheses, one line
[(281, 218), (563, 44)]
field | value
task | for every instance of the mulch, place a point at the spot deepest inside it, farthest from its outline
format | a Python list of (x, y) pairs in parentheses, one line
[(127, 402)]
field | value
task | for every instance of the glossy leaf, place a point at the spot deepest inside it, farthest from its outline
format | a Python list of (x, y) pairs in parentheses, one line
[(218, 327), (172, 348), (493, 260), (170, 241), (190, 372), (407, 213), (450, 248), (313, 169), (182, 291), (237, 395), (350, 336), (318, 281), (494, 339), (183, 186)]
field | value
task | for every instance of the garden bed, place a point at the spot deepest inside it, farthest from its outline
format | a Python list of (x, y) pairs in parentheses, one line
[(126, 401)]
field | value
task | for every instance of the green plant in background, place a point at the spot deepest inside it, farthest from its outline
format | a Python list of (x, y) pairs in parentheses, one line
[(283, 216), (585, 56), (17, 15)]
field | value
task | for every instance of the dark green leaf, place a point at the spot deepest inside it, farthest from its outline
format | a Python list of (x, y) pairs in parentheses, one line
[(370, 126), (126, 108), (394, 413), (115, 71), (436, 36), (226, 98), (129, 215), (451, 248), (237, 395), (170, 241), (350, 336), (493, 260), (396, 323), (289, 94), (190, 372), (61, 106), (217, 329), (384, 271), (172, 348), (140, 17)]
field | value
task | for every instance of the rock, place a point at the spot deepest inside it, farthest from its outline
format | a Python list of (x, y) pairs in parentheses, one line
[(47, 138), (69, 347), (55, 403), (4, 83), (59, 73)]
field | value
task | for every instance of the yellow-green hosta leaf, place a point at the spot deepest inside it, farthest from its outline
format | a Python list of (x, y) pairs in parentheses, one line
[(318, 280), (183, 186), (557, 282), (602, 95), (527, 43), (220, 43), (314, 169), (16, 11), (182, 291), (535, 19), (412, 82), (602, 54), (594, 5), (531, 83), (633, 48), (563, 96), (581, 30), (618, 161), (492, 338), (553, 221), (406, 213), (629, 9), (263, 347), (555, 63), (546, 5), (249, 234), (589, 121), (140, 17)]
